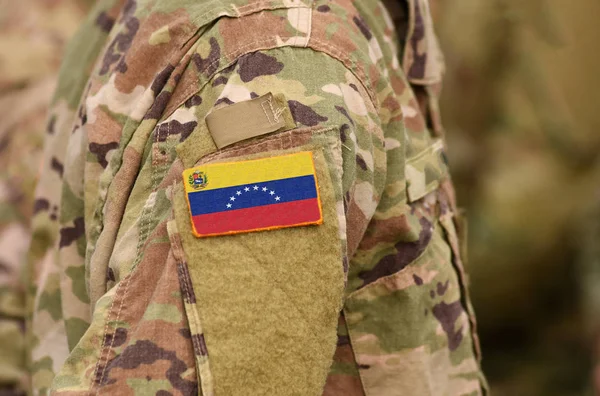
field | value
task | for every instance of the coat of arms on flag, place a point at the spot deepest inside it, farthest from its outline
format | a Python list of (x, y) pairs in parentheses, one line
[(253, 195), (198, 180)]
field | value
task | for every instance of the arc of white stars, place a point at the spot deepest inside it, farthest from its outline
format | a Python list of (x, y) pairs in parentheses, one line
[(254, 188)]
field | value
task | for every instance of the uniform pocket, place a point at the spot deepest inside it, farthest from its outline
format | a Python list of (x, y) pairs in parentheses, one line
[(412, 328), (454, 224), (265, 304)]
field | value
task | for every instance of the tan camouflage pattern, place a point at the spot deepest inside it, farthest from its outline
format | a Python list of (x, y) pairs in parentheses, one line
[(115, 307), (33, 34)]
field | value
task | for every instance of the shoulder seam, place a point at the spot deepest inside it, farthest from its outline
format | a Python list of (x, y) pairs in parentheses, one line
[(256, 46), (337, 54), (270, 42)]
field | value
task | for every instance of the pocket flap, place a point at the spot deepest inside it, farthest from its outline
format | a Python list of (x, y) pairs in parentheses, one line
[(425, 171)]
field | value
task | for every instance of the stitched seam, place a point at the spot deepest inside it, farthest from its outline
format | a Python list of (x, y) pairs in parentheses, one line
[(98, 217), (192, 89), (272, 110), (259, 146), (309, 32), (260, 6), (262, 105), (296, 40), (261, 3), (205, 383), (194, 311), (144, 223), (335, 53), (179, 258), (358, 71), (278, 112), (175, 59), (102, 348), (112, 338), (143, 235), (457, 262), (186, 290)]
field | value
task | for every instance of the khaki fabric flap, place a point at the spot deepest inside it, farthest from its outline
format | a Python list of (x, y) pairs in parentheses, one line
[(269, 301), (248, 119)]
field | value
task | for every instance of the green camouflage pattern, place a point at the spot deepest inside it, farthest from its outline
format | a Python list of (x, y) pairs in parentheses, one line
[(33, 34), (115, 309)]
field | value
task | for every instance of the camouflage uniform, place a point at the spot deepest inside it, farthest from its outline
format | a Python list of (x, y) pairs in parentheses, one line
[(32, 36), (371, 302)]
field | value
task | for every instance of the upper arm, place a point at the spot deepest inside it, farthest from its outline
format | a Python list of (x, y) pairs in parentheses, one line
[(295, 275)]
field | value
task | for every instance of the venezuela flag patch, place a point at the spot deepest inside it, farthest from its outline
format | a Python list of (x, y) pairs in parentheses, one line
[(253, 195)]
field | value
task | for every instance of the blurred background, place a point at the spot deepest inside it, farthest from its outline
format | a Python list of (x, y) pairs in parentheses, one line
[(521, 112), (522, 116)]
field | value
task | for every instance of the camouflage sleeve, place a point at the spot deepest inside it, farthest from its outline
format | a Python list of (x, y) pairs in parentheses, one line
[(30, 53), (14, 238), (19, 159), (19, 152), (260, 197), (329, 114)]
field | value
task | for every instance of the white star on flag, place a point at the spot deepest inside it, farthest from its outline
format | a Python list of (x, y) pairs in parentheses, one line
[(272, 192), (228, 205), (232, 199), (277, 198), (247, 189), (255, 188), (239, 193), (265, 189)]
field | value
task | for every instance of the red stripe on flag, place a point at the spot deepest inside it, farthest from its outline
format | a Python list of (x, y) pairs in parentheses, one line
[(285, 214)]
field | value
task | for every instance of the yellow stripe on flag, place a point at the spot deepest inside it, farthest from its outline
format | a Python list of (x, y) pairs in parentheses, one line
[(229, 174)]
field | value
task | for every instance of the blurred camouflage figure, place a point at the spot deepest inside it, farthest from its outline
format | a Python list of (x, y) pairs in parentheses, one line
[(590, 275), (525, 159), (126, 300), (32, 36)]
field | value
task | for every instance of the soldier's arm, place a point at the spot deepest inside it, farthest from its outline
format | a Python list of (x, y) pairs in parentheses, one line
[(199, 277), (139, 257), (260, 302)]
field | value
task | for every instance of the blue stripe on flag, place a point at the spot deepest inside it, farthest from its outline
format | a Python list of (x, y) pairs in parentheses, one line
[(252, 195)]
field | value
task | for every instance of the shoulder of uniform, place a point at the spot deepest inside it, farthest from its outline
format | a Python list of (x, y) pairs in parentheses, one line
[(335, 28)]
